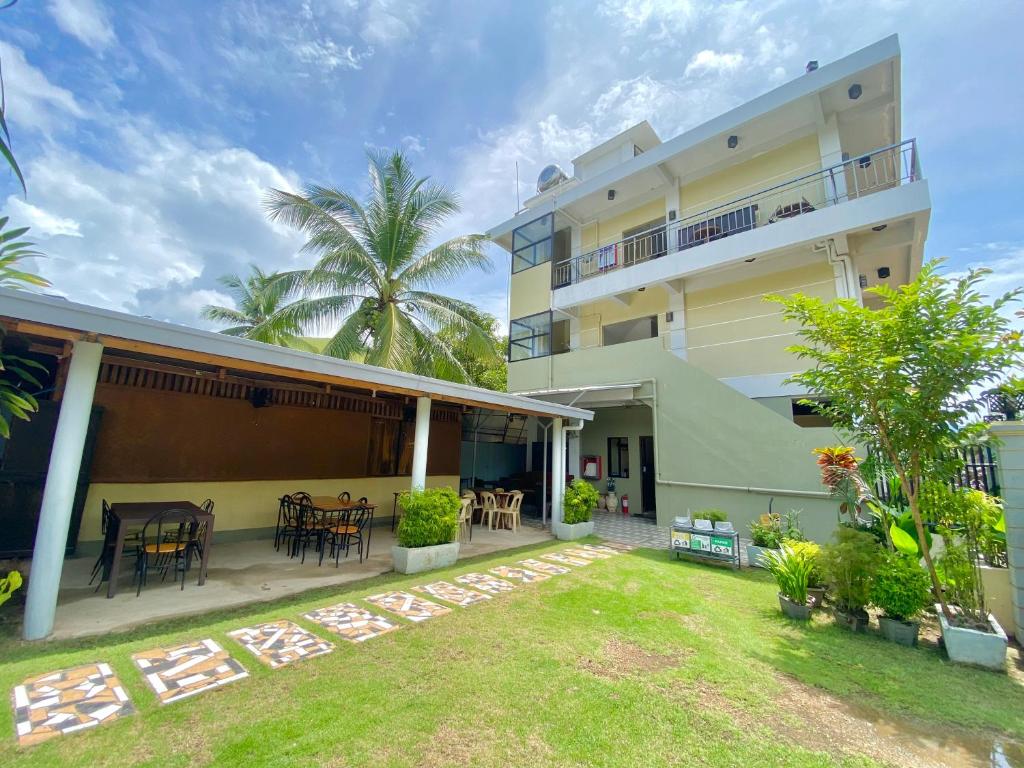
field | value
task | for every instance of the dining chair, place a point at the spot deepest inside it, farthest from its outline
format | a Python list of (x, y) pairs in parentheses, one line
[(343, 531), (287, 521), (345, 497), (488, 508), (511, 510), (196, 540), (155, 553), (108, 527), (466, 517)]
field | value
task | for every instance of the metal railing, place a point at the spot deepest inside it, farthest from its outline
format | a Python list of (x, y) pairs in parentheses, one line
[(874, 171)]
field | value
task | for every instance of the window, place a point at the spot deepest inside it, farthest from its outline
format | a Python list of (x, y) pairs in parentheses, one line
[(805, 415), (532, 243), (529, 337), (618, 457), (631, 330)]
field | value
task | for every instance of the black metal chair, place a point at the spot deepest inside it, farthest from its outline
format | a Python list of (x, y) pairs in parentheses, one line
[(157, 553), (345, 497), (287, 521), (108, 527), (344, 530), (197, 539)]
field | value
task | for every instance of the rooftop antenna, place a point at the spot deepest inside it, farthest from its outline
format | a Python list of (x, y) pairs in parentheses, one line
[(517, 186)]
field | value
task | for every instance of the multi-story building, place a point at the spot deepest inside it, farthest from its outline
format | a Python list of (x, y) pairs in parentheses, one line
[(638, 285)]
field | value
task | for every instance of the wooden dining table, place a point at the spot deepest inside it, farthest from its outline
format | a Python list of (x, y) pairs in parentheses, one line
[(334, 504), (138, 513)]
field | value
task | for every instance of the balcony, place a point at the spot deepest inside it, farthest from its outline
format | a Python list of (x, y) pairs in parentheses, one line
[(879, 170)]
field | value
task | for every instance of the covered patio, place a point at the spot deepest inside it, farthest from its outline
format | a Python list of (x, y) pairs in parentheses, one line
[(138, 411)]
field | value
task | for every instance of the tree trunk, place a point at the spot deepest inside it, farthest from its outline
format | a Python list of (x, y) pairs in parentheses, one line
[(922, 542)]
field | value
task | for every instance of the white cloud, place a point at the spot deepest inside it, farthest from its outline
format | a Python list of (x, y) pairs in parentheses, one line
[(43, 223), (32, 100), (413, 145), (388, 22), (86, 20), (713, 61)]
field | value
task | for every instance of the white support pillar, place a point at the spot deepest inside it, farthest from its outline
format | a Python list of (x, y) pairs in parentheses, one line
[(531, 436), (557, 470), (60, 488), (420, 442), (572, 451), (831, 151)]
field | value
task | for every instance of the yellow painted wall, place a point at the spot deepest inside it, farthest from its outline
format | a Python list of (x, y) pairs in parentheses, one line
[(530, 291), (794, 159), (610, 230), (652, 301), (727, 326), (247, 504)]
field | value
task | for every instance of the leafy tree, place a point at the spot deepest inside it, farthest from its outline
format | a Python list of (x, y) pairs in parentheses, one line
[(260, 299), (485, 365), (375, 269), (901, 377)]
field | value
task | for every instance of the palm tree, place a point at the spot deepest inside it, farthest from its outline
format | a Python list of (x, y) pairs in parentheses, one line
[(260, 299), (375, 270)]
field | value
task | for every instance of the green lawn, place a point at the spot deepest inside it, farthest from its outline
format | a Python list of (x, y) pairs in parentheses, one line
[(637, 660)]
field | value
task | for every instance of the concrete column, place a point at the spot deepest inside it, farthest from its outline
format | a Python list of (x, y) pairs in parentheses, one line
[(1011, 488), (676, 328), (557, 469), (59, 491), (572, 451), (419, 446), (531, 436), (832, 154)]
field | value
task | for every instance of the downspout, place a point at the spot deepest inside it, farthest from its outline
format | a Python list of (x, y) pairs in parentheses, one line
[(653, 404), (843, 259)]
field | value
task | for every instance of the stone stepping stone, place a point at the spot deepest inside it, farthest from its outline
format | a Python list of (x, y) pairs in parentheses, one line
[(352, 622), (542, 567), (602, 549), (587, 554), (618, 546), (66, 701), (185, 670), (519, 574), (408, 606), (278, 643), (558, 557), (485, 582), (445, 590)]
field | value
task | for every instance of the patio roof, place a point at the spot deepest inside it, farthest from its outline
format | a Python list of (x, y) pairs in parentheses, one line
[(57, 318)]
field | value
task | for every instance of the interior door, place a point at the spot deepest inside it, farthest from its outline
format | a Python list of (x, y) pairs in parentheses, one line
[(647, 491)]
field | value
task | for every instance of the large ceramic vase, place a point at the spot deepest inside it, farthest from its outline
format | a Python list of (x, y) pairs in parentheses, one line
[(612, 502)]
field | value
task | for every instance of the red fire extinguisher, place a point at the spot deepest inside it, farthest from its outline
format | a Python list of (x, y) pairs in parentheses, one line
[(625, 505)]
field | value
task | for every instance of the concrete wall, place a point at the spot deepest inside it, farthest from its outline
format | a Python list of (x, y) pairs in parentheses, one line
[(530, 291), (1011, 485), (630, 423), (598, 233)]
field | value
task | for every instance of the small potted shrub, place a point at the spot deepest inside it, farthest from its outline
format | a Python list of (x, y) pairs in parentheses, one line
[(765, 536), (901, 590), (711, 515), (791, 569), (580, 501), (815, 578), (428, 532), (849, 566)]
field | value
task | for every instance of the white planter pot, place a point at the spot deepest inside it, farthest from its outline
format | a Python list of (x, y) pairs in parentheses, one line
[(970, 646), (418, 559), (567, 532), (754, 555)]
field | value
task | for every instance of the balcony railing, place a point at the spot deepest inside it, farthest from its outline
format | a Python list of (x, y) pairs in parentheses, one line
[(872, 172)]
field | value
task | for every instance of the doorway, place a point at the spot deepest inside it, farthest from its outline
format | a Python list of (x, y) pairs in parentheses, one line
[(647, 488)]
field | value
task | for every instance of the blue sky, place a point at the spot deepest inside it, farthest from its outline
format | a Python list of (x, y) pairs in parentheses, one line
[(148, 131)]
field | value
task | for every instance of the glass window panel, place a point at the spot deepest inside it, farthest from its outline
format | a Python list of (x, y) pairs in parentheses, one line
[(535, 231), (530, 337)]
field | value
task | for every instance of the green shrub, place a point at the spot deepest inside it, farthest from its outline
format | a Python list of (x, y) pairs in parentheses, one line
[(901, 589), (429, 517), (714, 515), (810, 551), (8, 584), (792, 571), (768, 535), (849, 566), (580, 499)]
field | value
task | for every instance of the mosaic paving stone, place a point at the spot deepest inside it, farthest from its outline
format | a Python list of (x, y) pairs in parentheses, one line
[(183, 671), (444, 590), (66, 701), (618, 546), (606, 550), (542, 567), (558, 557), (352, 622), (588, 554), (519, 574), (278, 643), (485, 582), (411, 607)]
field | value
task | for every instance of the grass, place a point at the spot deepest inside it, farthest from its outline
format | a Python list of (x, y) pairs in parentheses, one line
[(637, 660)]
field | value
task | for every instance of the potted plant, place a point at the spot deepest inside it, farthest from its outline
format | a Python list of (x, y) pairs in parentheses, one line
[(849, 565), (815, 578), (791, 569), (901, 590), (579, 503), (765, 537), (970, 632), (711, 515), (428, 533), (611, 501)]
